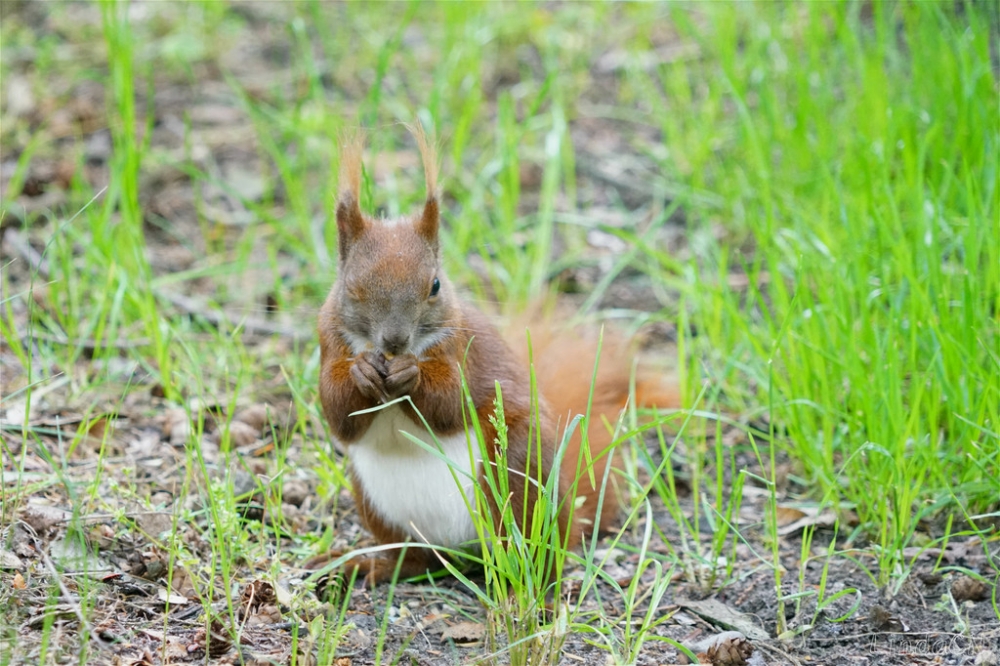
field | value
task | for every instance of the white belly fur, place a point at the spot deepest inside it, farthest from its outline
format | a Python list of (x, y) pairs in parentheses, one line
[(412, 488)]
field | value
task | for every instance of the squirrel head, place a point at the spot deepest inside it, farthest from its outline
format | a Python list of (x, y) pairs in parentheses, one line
[(390, 293)]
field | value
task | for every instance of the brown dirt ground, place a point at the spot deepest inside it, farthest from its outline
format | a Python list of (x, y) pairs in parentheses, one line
[(122, 570)]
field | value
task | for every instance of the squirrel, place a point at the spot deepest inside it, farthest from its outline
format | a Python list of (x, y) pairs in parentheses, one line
[(393, 325)]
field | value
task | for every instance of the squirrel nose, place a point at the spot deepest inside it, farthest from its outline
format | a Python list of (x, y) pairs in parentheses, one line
[(395, 342)]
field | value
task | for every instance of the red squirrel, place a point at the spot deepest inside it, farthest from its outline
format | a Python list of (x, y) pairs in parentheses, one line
[(393, 325)]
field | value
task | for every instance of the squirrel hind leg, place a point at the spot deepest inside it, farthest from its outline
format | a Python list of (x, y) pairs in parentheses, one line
[(598, 505), (377, 569)]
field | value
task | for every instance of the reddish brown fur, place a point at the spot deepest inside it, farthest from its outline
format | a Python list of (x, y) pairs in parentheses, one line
[(389, 259), (563, 359)]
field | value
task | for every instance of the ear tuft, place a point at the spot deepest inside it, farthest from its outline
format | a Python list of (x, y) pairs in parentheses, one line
[(350, 220), (352, 146), (427, 224)]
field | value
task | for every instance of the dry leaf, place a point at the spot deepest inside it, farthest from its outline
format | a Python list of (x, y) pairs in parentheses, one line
[(722, 615), (953, 552), (169, 597), (42, 516), (811, 517), (9, 560), (98, 426), (786, 515), (464, 633)]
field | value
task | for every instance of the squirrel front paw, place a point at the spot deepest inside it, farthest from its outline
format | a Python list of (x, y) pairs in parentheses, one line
[(402, 375), (368, 372)]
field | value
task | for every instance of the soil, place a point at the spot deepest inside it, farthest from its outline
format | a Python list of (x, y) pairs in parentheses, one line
[(75, 555)]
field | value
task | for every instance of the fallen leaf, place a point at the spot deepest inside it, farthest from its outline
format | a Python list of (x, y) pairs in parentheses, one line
[(9, 560), (42, 516), (71, 553), (722, 615), (98, 426), (464, 633), (953, 552), (282, 594), (786, 515), (171, 598), (819, 519)]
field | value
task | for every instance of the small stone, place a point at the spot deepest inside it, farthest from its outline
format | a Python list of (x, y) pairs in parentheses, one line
[(967, 588), (176, 427), (986, 658), (295, 492), (241, 434), (256, 416), (882, 620)]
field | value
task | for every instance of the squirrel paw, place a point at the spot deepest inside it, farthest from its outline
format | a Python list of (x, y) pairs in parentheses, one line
[(402, 375), (367, 373)]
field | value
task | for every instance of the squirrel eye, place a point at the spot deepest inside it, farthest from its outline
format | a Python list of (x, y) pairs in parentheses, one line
[(435, 287)]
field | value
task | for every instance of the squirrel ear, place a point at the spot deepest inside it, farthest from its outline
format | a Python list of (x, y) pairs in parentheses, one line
[(350, 221), (427, 224)]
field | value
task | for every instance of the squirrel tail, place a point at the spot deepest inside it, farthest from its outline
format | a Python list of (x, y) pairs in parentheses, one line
[(563, 359)]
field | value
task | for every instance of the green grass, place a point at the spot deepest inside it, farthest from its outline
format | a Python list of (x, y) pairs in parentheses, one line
[(869, 328), (837, 295)]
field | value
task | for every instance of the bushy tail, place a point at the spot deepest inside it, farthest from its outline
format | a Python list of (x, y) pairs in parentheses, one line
[(564, 359)]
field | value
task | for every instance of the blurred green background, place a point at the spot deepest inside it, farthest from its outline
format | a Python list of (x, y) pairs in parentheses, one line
[(801, 198)]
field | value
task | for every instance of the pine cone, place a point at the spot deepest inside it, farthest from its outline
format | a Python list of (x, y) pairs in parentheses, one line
[(730, 651), (256, 594)]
